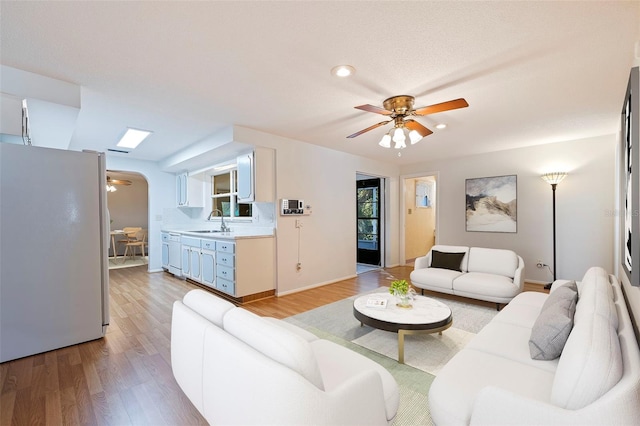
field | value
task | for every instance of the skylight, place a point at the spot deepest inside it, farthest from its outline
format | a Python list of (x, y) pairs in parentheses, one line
[(132, 138)]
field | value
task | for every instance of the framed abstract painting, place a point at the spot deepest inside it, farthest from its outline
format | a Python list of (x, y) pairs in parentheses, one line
[(492, 204)]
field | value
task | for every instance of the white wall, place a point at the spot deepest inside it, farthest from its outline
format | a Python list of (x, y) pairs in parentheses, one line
[(161, 195), (325, 179), (584, 200)]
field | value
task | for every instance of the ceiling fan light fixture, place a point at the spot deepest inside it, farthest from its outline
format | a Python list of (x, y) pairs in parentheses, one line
[(398, 135), (400, 144), (343, 70), (415, 137), (385, 142)]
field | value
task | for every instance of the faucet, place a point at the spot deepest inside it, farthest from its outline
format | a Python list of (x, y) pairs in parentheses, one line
[(223, 226)]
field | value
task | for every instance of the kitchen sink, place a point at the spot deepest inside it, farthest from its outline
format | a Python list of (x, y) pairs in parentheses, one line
[(207, 231)]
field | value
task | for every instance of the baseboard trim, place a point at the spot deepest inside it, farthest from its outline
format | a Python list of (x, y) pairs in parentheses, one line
[(309, 287)]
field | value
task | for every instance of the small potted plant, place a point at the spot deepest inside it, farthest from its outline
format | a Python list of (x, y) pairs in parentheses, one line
[(403, 292)]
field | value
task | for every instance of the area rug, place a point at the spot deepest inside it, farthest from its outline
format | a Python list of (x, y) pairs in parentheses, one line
[(424, 354)]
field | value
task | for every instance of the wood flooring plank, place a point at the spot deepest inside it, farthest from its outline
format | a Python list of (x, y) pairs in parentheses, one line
[(7, 402), (53, 408)]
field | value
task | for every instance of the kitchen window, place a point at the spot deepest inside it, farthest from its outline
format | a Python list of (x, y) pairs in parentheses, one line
[(224, 196)]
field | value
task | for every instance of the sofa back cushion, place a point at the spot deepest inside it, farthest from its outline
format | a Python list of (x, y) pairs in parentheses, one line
[(596, 297), (493, 261), (275, 342), (591, 362), (208, 305), (451, 249)]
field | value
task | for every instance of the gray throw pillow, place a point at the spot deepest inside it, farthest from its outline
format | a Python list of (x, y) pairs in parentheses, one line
[(444, 260), (553, 326)]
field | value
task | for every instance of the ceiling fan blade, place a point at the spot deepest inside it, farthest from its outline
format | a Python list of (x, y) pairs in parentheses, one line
[(414, 125), (372, 108), (444, 106), (382, 123)]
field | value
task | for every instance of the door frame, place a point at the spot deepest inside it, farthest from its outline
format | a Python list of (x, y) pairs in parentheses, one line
[(384, 214), (403, 209)]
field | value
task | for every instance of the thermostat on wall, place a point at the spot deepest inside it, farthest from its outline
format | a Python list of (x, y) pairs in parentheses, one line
[(292, 207)]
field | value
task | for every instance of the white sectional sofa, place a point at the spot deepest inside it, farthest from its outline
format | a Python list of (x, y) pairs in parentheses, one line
[(240, 368), (494, 275), (595, 381)]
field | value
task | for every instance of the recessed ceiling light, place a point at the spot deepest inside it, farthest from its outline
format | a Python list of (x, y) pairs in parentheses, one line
[(441, 126), (343, 70), (132, 138)]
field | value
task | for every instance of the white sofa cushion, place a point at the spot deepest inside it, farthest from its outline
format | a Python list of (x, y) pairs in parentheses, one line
[(485, 284), (590, 364), (339, 364), (209, 306), (493, 339), (454, 389), (596, 298), (435, 277), (306, 335), (493, 261), (278, 343)]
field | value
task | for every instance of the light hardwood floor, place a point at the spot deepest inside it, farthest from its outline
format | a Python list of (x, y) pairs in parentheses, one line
[(126, 378)]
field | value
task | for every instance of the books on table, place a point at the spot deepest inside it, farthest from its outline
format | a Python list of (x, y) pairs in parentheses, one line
[(376, 302)]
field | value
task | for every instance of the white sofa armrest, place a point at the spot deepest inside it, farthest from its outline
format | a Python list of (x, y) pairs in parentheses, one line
[(518, 277), (422, 262)]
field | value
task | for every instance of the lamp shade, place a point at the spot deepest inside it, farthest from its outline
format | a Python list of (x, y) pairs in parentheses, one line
[(385, 142), (553, 178)]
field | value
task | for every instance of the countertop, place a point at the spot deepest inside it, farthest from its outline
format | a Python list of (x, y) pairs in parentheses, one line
[(234, 234)]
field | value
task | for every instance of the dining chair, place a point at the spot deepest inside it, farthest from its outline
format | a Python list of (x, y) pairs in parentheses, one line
[(139, 240), (129, 236)]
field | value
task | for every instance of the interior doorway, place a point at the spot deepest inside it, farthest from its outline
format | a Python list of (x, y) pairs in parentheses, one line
[(369, 222), (420, 207), (128, 206)]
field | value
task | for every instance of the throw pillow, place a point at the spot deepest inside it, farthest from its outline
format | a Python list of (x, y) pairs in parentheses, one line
[(553, 326), (445, 260)]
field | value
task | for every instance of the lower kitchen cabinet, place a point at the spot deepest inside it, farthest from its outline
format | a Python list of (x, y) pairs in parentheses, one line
[(208, 260), (239, 268)]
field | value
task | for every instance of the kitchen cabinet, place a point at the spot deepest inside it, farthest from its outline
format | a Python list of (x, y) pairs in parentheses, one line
[(256, 176), (190, 190), (191, 263), (208, 261), (165, 250)]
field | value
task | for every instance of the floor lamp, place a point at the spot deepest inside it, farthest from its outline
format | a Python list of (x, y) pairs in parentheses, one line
[(553, 179)]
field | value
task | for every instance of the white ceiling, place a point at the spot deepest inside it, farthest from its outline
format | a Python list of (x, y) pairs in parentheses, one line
[(532, 72)]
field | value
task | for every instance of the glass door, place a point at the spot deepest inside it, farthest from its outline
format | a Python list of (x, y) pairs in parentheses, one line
[(368, 216)]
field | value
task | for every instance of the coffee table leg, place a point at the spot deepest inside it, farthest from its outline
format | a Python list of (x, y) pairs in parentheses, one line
[(401, 346)]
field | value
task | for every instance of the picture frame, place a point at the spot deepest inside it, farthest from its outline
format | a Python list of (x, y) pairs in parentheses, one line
[(630, 181), (491, 204)]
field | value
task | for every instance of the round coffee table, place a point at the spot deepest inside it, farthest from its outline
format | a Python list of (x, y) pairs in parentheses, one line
[(426, 316)]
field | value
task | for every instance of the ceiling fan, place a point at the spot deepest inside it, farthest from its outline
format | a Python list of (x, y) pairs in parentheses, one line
[(112, 182), (399, 109), (117, 181)]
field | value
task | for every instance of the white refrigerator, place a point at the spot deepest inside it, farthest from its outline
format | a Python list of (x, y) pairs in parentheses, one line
[(54, 238)]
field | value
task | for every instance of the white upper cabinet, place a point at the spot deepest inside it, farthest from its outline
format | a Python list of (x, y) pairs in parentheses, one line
[(189, 190), (256, 176)]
